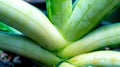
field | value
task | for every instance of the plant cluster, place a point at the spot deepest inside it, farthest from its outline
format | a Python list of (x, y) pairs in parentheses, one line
[(64, 38)]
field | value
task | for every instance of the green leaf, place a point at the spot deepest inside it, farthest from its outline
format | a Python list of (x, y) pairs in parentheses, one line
[(86, 15), (59, 11), (26, 47), (31, 22), (101, 37), (98, 59)]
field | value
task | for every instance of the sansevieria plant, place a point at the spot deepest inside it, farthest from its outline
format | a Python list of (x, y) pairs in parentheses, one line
[(66, 37)]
